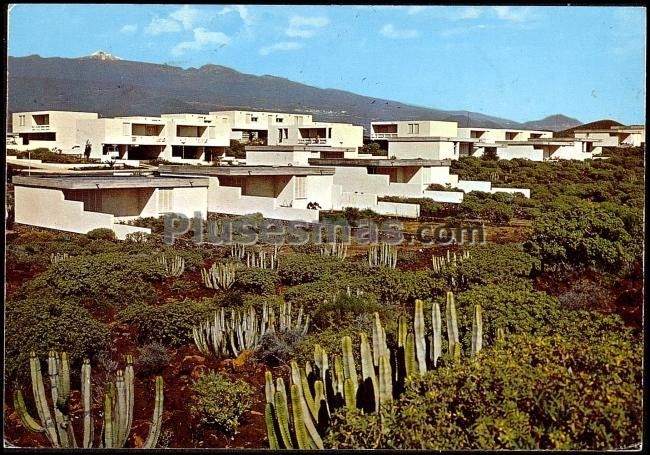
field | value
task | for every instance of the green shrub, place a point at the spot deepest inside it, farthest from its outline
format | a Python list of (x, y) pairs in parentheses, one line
[(343, 308), (221, 402), (169, 324), (256, 281), (497, 264), (310, 295), (528, 393), (298, 269), (397, 286), (46, 323), (107, 278), (101, 234)]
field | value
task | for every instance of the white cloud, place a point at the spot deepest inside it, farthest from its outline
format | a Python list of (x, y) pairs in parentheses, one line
[(129, 28), (463, 30), (305, 27), (243, 11), (162, 25), (470, 13), (513, 14), (390, 31), (282, 46), (411, 10), (187, 15), (202, 39)]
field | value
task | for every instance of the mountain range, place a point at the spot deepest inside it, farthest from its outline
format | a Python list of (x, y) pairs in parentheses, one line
[(115, 87)]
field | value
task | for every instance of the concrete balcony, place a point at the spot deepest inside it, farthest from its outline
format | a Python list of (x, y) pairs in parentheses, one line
[(313, 141), (382, 135), (41, 127), (148, 140), (192, 141)]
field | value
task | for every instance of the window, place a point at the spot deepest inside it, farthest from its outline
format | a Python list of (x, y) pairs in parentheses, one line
[(414, 128), (253, 119), (279, 120), (165, 200), (22, 120), (126, 129), (329, 133), (300, 188)]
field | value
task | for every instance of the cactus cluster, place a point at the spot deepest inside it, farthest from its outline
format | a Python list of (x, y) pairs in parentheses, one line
[(229, 333), (238, 250), (384, 255), (319, 390), (263, 260), (173, 267), (439, 263), (55, 258), (220, 276), (118, 405), (336, 249)]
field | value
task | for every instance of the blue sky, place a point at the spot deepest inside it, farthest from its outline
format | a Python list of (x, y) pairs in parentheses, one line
[(521, 63)]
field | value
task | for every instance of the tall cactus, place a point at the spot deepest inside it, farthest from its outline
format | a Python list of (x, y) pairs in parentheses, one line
[(55, 258), (385, 380), (436, 338), (420, 337), (452, 323), (118, 405), (409, 356), (336, 249), (349, 368), (367, 368), (384, 255), (477, 331)]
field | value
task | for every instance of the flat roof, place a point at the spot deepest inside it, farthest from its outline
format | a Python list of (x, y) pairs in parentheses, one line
[(245, 170), (547, 141), (619, 129), (296, 148), (360, 162), (108, 182), (424, 139)]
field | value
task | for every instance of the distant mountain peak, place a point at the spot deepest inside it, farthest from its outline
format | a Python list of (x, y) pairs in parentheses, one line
[(101, 55)]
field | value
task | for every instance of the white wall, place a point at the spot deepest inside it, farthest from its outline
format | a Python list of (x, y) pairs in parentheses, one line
[(428, 150), (520, 151), (46, 207)]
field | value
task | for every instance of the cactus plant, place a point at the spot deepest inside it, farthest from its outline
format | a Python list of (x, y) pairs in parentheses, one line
[(229, 333), (174, 267), (258, 259), (238, 250), (436, 338), (336, 249), (384, 255), (219, 276), (452, 323), (477, 331), (55, 258), (420, 338), (118, 405)]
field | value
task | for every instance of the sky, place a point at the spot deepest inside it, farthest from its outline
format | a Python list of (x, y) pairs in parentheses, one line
[(519, 63)]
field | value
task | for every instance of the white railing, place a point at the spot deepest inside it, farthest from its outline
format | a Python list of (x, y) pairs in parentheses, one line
[(382, 135), (184, 140), (147, 139), (312, 141), (41, 127)]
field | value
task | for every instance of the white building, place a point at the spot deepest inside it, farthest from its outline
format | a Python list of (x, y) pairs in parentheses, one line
[(81, 203), (616, 136), (49, 129)]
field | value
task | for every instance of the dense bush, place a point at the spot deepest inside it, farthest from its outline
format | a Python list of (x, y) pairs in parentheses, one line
[(221, 402), (343, 308), (583, 233), (496, 264), (528, 393), (256, 281), (397, 286), (152, 358), (48, 323), (169, 324), (101, 234), (107, 278), (587, 295), (298, 268)]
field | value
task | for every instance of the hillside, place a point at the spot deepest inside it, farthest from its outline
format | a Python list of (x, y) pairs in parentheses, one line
[(599, 124), (112, 86), (556, 122)]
